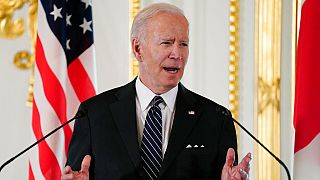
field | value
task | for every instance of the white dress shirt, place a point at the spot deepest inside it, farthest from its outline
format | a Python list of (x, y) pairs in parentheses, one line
[(143, 99)]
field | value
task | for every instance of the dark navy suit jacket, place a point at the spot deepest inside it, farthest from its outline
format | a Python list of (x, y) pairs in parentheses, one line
[(201, 134)]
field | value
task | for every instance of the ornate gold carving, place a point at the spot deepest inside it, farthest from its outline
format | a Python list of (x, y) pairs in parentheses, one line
[(267, 75), (30, 89), (11, 28), (33, 19), (234, 59), (134, 65), (269, 94), (14, 28), (135, 8), (22, 60)]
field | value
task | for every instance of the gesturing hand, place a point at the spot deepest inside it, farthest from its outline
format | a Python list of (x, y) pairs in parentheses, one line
[(83, 174), (239, 172)]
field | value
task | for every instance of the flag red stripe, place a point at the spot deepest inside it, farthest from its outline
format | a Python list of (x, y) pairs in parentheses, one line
[(48, 162), (307, 97), (31, 176), (80, 80), (53, 90)]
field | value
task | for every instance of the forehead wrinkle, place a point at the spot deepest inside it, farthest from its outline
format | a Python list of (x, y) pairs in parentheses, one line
[(172, 32)]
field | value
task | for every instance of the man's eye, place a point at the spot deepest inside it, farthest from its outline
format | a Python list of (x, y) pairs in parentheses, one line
[(166, 42), (184, 44)]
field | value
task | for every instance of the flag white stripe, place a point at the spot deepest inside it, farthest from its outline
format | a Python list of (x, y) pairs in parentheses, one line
[(47, 112), (34, 161), (307, 161)]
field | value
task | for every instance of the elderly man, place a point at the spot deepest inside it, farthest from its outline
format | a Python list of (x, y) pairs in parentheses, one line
[(153, 127)]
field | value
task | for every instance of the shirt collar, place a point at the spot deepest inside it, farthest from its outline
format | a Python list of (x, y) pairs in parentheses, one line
[(145, 95)]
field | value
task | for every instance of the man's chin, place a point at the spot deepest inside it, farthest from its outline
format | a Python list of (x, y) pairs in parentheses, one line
[(171, 84)]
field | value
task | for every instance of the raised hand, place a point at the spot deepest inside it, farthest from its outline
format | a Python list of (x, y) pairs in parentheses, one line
[(83, 174), (239, 172)]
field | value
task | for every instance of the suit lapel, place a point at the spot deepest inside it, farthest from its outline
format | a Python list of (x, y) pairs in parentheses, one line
[(124, 115), (185, 119)]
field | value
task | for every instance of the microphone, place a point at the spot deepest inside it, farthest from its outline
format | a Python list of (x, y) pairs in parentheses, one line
[(79, 114), (274, 156)]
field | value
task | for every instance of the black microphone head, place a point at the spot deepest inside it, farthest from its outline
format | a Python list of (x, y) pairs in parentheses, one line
[(81, 113)]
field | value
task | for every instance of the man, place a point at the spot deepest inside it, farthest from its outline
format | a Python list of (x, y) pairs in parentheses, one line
[(153, 127)]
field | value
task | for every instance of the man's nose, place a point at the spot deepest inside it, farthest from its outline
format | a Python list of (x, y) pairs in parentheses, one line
[(176, 52)]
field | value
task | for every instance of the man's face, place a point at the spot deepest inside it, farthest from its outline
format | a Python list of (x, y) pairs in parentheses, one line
[(164, 50)]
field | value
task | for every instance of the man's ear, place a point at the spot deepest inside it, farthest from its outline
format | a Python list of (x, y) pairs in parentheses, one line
[(136, 48)]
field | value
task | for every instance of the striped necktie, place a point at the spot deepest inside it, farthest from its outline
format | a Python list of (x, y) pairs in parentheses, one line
[(151, 146)]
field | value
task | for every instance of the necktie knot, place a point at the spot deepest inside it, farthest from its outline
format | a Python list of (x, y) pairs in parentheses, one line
[(157, 100)]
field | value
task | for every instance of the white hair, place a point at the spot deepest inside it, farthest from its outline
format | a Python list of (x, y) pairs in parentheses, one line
[(140, 21)]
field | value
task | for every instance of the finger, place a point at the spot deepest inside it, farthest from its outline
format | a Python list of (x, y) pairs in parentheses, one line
[(246, 160), (67, 176), (244, 174), (248, 157), (230, 158), (246, 168), (86, 164), (67, 170), (245, 163)]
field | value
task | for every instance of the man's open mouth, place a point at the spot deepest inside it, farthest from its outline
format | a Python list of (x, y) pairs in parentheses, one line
[(171, 70)]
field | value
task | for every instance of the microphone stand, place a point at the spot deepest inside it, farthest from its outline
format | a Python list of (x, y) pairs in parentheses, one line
[(78, 115), (264, 147)]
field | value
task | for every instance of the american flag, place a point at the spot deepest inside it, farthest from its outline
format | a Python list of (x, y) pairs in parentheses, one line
[(64, 77)]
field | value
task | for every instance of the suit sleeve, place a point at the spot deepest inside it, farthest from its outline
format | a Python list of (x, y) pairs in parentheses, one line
[(80, 144), (228, 140)]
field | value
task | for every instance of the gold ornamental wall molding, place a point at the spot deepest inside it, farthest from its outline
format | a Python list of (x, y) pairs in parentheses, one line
[(134, 6), (12, 29), (267, 86), (234, 60)]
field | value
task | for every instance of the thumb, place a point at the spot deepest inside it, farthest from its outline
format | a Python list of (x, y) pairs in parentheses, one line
[(67, 170), (230, 157), (86, 164)]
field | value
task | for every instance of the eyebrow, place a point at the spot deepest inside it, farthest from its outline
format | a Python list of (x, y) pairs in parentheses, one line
[(167, 39), (173, 39)]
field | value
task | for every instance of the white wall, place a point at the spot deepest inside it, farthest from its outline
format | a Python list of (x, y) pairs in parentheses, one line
[(286, 111), (111, 23), (15, 118), (206, 73), (246, 78)]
